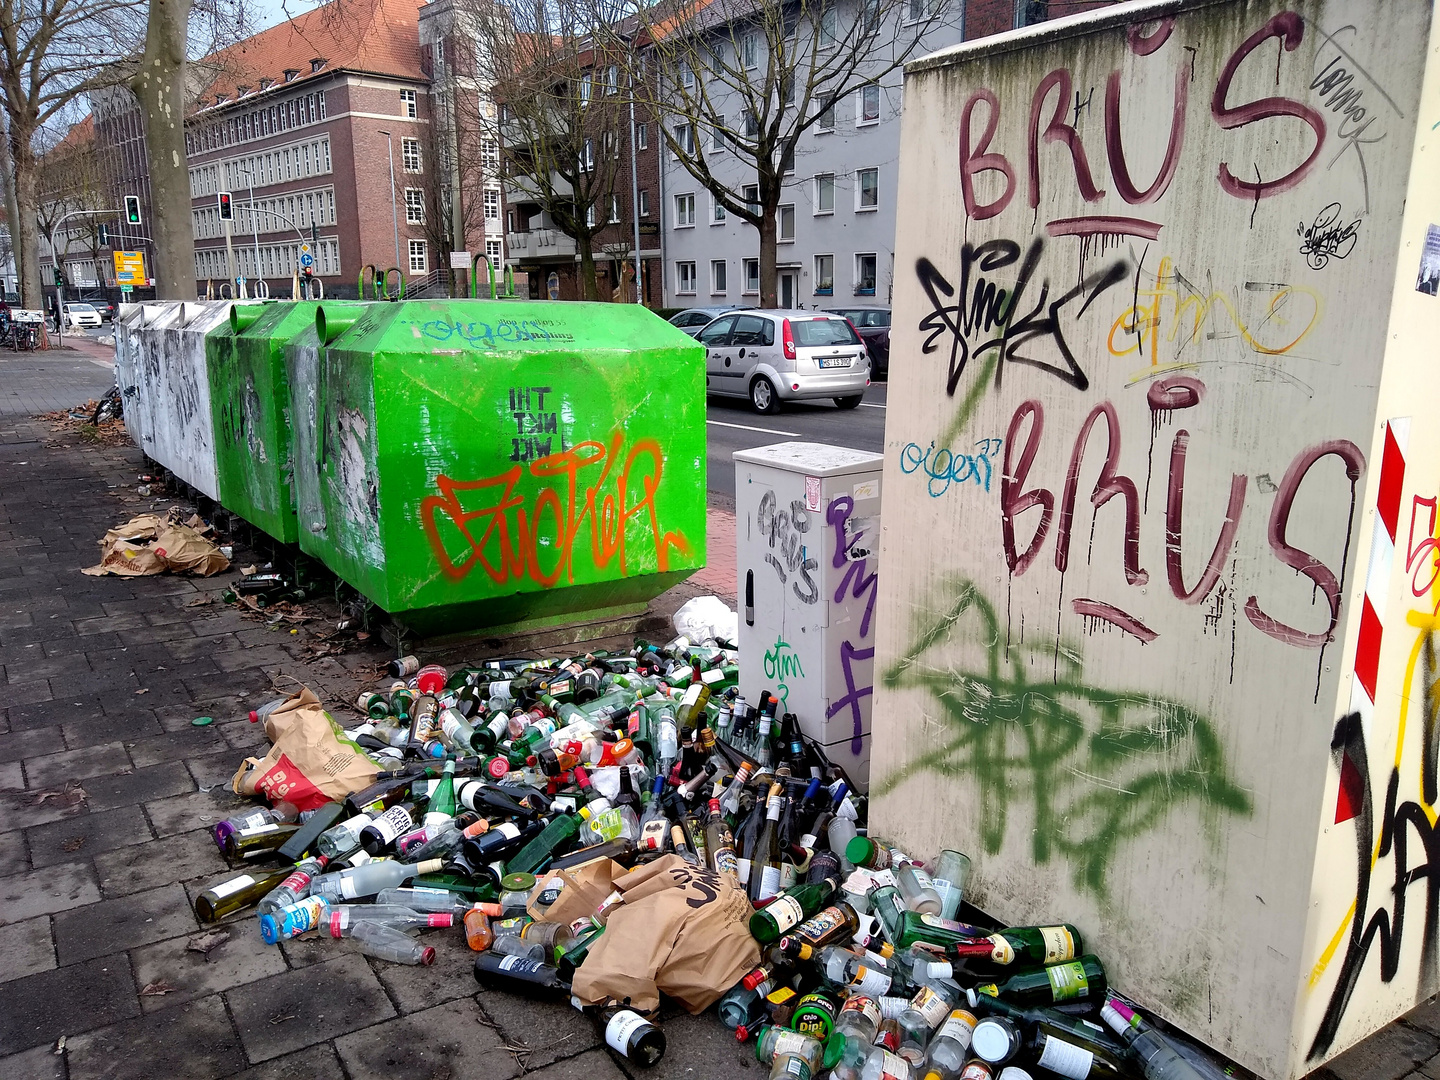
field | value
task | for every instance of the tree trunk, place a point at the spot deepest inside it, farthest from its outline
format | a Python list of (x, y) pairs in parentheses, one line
[(160, 87), (7, 181), (27, 209), (768, 292), (587, 267)]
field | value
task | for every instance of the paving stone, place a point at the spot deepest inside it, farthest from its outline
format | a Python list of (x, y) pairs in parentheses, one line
[(25, 948), (52, 770), (14, 859), (223, 709), (12, 776), (172, 746), (197, 810), (159, 862), (213, 770), (451, 976), (243, 959), (69, 646), (131, 921), (437, 1044), (286, 1012), (142, 785), (53, 889), (594, 1065), (31, 742), (131, 727), (551, 1029), (315, 1063), (35, 691), (193, 1039), (1387, 1055), (38, 1009), (1426, 1016), (86, 835), (41, 1063)]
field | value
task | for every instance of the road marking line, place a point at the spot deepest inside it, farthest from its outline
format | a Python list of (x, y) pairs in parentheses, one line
[(867, 405), (747, 427)]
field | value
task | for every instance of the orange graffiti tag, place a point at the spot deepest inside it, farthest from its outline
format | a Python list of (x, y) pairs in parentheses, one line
[(565, 503)]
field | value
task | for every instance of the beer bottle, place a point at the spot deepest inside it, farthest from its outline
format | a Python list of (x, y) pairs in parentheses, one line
[(829, 926)]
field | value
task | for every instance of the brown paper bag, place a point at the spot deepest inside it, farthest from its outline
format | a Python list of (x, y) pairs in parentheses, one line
[(185, 550), (310, 761), (682, 930), (147, 544), (582, 890)]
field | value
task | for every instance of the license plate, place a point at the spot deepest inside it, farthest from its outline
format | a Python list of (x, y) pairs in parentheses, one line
[(835, 361)]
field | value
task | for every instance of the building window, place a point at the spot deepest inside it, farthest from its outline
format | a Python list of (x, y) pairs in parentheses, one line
[(1030, 12), (490, 155), (915, 11), (418, 262), (642, 136), (825, 193), (687, 75), (717, 211), (869, 111), (587, 159), (752, 124), (410, 154), (492, 205), (644, 202), (752, 276), (830, 25), (414, 206), (717, 138), (585, 89), (590, 215), (750, 50), (495, 252), (785, 223), (826, 121), (612, 79), (752, 198), (867, 189), (685, 138), (685, 277), (717, 277), (614, 210), (684, 210), (865, 275), (407, 104), (824, 275)]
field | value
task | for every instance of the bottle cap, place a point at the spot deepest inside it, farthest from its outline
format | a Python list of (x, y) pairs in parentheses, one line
[(994, 1040), (427, 955), (269, 929), (519, 882), (859, 849)]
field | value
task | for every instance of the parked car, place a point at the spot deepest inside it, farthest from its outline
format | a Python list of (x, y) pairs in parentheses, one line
[(81, 316), (776, 356), (874, 327), (693, 320), (103, 306)]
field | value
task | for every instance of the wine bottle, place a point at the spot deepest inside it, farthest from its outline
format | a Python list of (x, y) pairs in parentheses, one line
[(632, 1036), (831, 925), (1078, 1051), (1017, 945), (765, 861), (369, 879), (442, 805), (790, 909), (720, 842), (552, 838), (236, 892), (1074, 980), (518, 975), (384, 830)]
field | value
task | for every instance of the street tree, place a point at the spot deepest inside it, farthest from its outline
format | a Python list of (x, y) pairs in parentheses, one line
[(72, 182), (741, 81), (561, 118)]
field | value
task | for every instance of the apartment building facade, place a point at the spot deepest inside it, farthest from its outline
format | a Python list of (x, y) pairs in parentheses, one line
[(836, 224)]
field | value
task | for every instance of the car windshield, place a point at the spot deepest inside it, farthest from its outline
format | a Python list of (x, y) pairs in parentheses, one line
[(80, 307), (812, 332), (873, 317)]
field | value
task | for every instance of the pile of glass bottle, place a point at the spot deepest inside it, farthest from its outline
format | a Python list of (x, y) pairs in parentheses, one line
[(495, 775)]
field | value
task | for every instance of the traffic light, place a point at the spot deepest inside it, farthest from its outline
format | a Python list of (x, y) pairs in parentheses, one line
[(227, 212), (104, 236), (132, 210), (59, 277)]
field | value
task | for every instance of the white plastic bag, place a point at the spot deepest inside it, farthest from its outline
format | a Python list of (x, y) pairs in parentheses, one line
[(707, 617)]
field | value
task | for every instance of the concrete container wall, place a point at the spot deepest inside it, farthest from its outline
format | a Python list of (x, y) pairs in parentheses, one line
[(1156, 633), (161, 370)]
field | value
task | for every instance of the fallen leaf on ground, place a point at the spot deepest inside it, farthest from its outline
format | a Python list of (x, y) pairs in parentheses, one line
[(207, 943), (74, 843), (157, 989)]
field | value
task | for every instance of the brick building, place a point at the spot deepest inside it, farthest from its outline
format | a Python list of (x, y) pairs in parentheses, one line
[(305, 119)]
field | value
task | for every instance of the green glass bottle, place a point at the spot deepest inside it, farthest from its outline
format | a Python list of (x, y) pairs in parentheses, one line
[(236, 892), (790, 909), (1074, 980), (1018, 946), (442, 804), (547, 842)]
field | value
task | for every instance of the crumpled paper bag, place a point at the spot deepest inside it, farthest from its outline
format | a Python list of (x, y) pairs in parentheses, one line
[(682, 929), (310, 762), (581, 891), (150, 544)]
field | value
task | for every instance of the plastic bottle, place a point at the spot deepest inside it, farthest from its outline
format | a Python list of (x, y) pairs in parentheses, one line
[(297, 918), (478, 934), (293, 887), (262, 714), (369, 879), (385, 942)]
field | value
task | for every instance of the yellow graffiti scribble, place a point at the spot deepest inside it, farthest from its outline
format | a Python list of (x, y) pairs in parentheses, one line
[(1143, 321)]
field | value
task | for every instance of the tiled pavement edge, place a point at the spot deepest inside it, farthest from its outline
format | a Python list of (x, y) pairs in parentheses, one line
[(106, 789)]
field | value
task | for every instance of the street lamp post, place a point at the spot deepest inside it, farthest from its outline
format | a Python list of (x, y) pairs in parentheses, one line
[(255, 222), (394, 209)]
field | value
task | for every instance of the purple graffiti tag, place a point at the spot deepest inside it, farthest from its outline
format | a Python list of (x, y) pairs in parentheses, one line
[(853, 694), (838, 515)]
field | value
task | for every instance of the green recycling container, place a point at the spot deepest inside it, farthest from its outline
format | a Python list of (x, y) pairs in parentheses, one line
[(250, 402), (472, 464)]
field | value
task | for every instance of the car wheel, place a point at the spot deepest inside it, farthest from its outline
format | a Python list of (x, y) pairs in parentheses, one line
[(763, 397), (850, 402)]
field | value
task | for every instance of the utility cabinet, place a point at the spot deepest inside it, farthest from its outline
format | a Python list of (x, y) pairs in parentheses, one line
[(807, 525)]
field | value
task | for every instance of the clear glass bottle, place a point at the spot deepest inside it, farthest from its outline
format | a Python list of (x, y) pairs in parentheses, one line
[(952, 871)]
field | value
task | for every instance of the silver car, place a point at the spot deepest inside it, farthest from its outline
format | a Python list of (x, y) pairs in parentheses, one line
[(776, 356)]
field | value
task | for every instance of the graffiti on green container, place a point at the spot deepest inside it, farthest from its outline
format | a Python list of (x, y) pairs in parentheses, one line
[(1097, 766), (536, 428), (484, 335), (591, 485)]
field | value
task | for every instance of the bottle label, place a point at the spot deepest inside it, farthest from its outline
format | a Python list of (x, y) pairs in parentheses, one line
[(1068, 981), (726, 862), (520, 965), (1059, 944), (257, 830), (1001, 951), (234, 885), (769, 882), (742, 870), (943, 924), (818, 925), (786, 911), (798, 1067), (713, 676), (304, 915), (892, 1067), (861, 1006), (392, 823), (621, 1027), (296, 881), (961, 1027), (1066, 1059), (789, 1042), (870, 981), (339, 920), (789, 875), (932, 1006), (892, 1007), (976, 1070), (922, 879)]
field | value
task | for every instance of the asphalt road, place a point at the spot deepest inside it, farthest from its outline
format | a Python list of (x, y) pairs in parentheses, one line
[(733, 425)]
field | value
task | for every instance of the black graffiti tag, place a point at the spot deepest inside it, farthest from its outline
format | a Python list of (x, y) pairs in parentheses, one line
[(784, 530)]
